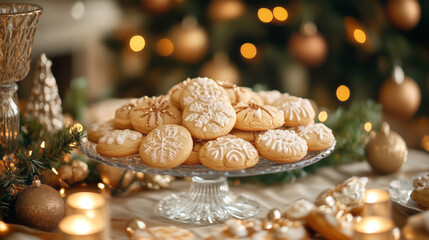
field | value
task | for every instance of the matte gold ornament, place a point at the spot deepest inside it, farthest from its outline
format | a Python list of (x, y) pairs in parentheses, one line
[(115, 178), (134, 225), (156, 182), (400, 95), (225, 10), (387, 151), (72, 173), (308, 46), (404, 14), (40, 206), (221, 69)]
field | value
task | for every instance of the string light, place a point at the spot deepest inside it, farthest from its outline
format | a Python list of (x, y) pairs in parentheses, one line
[(43, 144), (30, 153), (323, 115), (101, 185), (343, 93), (77, 126), (248, 50), (54, 170), (164, 47), (359, 36), (63, 192), (265, 15), (367, 126), (280, 13), (425, 142), (137, 43)]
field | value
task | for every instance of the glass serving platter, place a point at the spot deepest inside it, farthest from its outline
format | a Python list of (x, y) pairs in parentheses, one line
[(209, 199)]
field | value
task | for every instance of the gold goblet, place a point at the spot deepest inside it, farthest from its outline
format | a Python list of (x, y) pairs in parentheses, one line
[(18, 22)]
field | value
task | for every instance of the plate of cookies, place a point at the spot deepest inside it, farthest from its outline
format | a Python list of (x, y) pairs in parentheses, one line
[(411, 195), (208, 128)]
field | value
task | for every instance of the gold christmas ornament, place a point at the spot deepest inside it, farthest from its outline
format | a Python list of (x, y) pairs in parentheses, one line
[(221, 69), (44, 102), (158, 6), (308, 46), (115, 178), (134, 225), (190, 41), (274, 214), (225, 10), (400, 95), (387, 151), (156, 182), (404, 14), (72, 173), (40, 206), (49, 177)]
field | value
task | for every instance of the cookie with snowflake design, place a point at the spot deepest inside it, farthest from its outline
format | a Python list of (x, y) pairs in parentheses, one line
[(153, 112), (209, 120), (255, 117), (297, 111), (203, 90), (122, 118), (318, 136), (176, 91), (229, 153), (166, 146), (119, 143), (281, 146)]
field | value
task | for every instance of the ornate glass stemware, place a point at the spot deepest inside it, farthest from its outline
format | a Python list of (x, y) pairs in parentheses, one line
[(18, 24)]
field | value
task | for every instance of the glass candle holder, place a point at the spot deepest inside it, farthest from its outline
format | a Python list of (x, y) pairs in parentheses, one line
[(374, 228), (377, 203), (80, 227)]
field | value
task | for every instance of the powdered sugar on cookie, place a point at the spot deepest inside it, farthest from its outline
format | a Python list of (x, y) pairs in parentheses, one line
[(102, 127), (421, 183), (119, 136), (283, 141), (164, 144)]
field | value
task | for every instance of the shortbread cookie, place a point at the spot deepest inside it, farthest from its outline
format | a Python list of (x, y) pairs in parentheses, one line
[(297, 111), (203, 90), (194, 157), (176, 91), (153, 112), (164, 233), (271, 97), (209, 120), (236, 94), (99, 129), (298, 210), (249, 136), (119, 143), (318, 136), (166, 146), (123, 115), (256, 98), (255, 117), (228, 153), (281, 146), (420, 193)]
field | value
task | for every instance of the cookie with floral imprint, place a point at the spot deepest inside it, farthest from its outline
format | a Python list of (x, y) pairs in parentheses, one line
[(318, 136), (282, 146), (297, 111), (122, 118), (235, 93), (99, 129), (119, 143), (176, 91), (203, 90), (166, 146), (228, 153), (154, 112), (255, 117)]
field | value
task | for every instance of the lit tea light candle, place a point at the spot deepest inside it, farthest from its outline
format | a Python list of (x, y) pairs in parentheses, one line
[(78, 227), (93, 206), (374, 228), (377, 203)]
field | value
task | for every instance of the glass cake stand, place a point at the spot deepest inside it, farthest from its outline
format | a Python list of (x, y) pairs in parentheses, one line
[(209, 199)]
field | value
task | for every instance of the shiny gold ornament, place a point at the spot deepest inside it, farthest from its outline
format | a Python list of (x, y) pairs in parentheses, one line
[(400, 95), (404, 14), (274, 214), (308, 46), (387, 151), (40, 206), (115, 178), (156, 182), (221, 69), (158, 6), (44, 102), (72, 173), (134, 225), (190, 41), (225, 10)]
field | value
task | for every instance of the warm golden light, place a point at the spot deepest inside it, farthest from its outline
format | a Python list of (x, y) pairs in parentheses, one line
[(425, 142), (30, 152), (343, 93), (54, 170), (265, 15), (78, 225), (367, 126), (63, 192), (3, 227), (248, 50), (323, 115), (86, 200), (164, 47), (101, 185), (78, 127), (280, 13), (137, 43), (43, 144), (72, 144), (359, 36)]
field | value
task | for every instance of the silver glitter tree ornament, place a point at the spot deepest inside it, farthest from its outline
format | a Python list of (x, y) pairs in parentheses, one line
[(44, 102)]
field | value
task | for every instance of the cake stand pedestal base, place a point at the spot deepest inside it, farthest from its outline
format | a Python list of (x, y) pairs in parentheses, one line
[(208, 201)]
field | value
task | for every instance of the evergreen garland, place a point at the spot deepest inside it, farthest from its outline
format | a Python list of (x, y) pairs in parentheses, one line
[(18, 169)]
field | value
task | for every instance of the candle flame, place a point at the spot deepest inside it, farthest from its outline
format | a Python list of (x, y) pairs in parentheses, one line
[(85, 202)]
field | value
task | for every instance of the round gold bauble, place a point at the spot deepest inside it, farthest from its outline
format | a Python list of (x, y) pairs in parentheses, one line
[(225, 10), (72, 173), (134, 225), (386, 152), (221, 70), (190, 43), (400, 99), (309, 49), (274, 214), (40, 206), (157, 6), (115, 178), (404, 14)]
